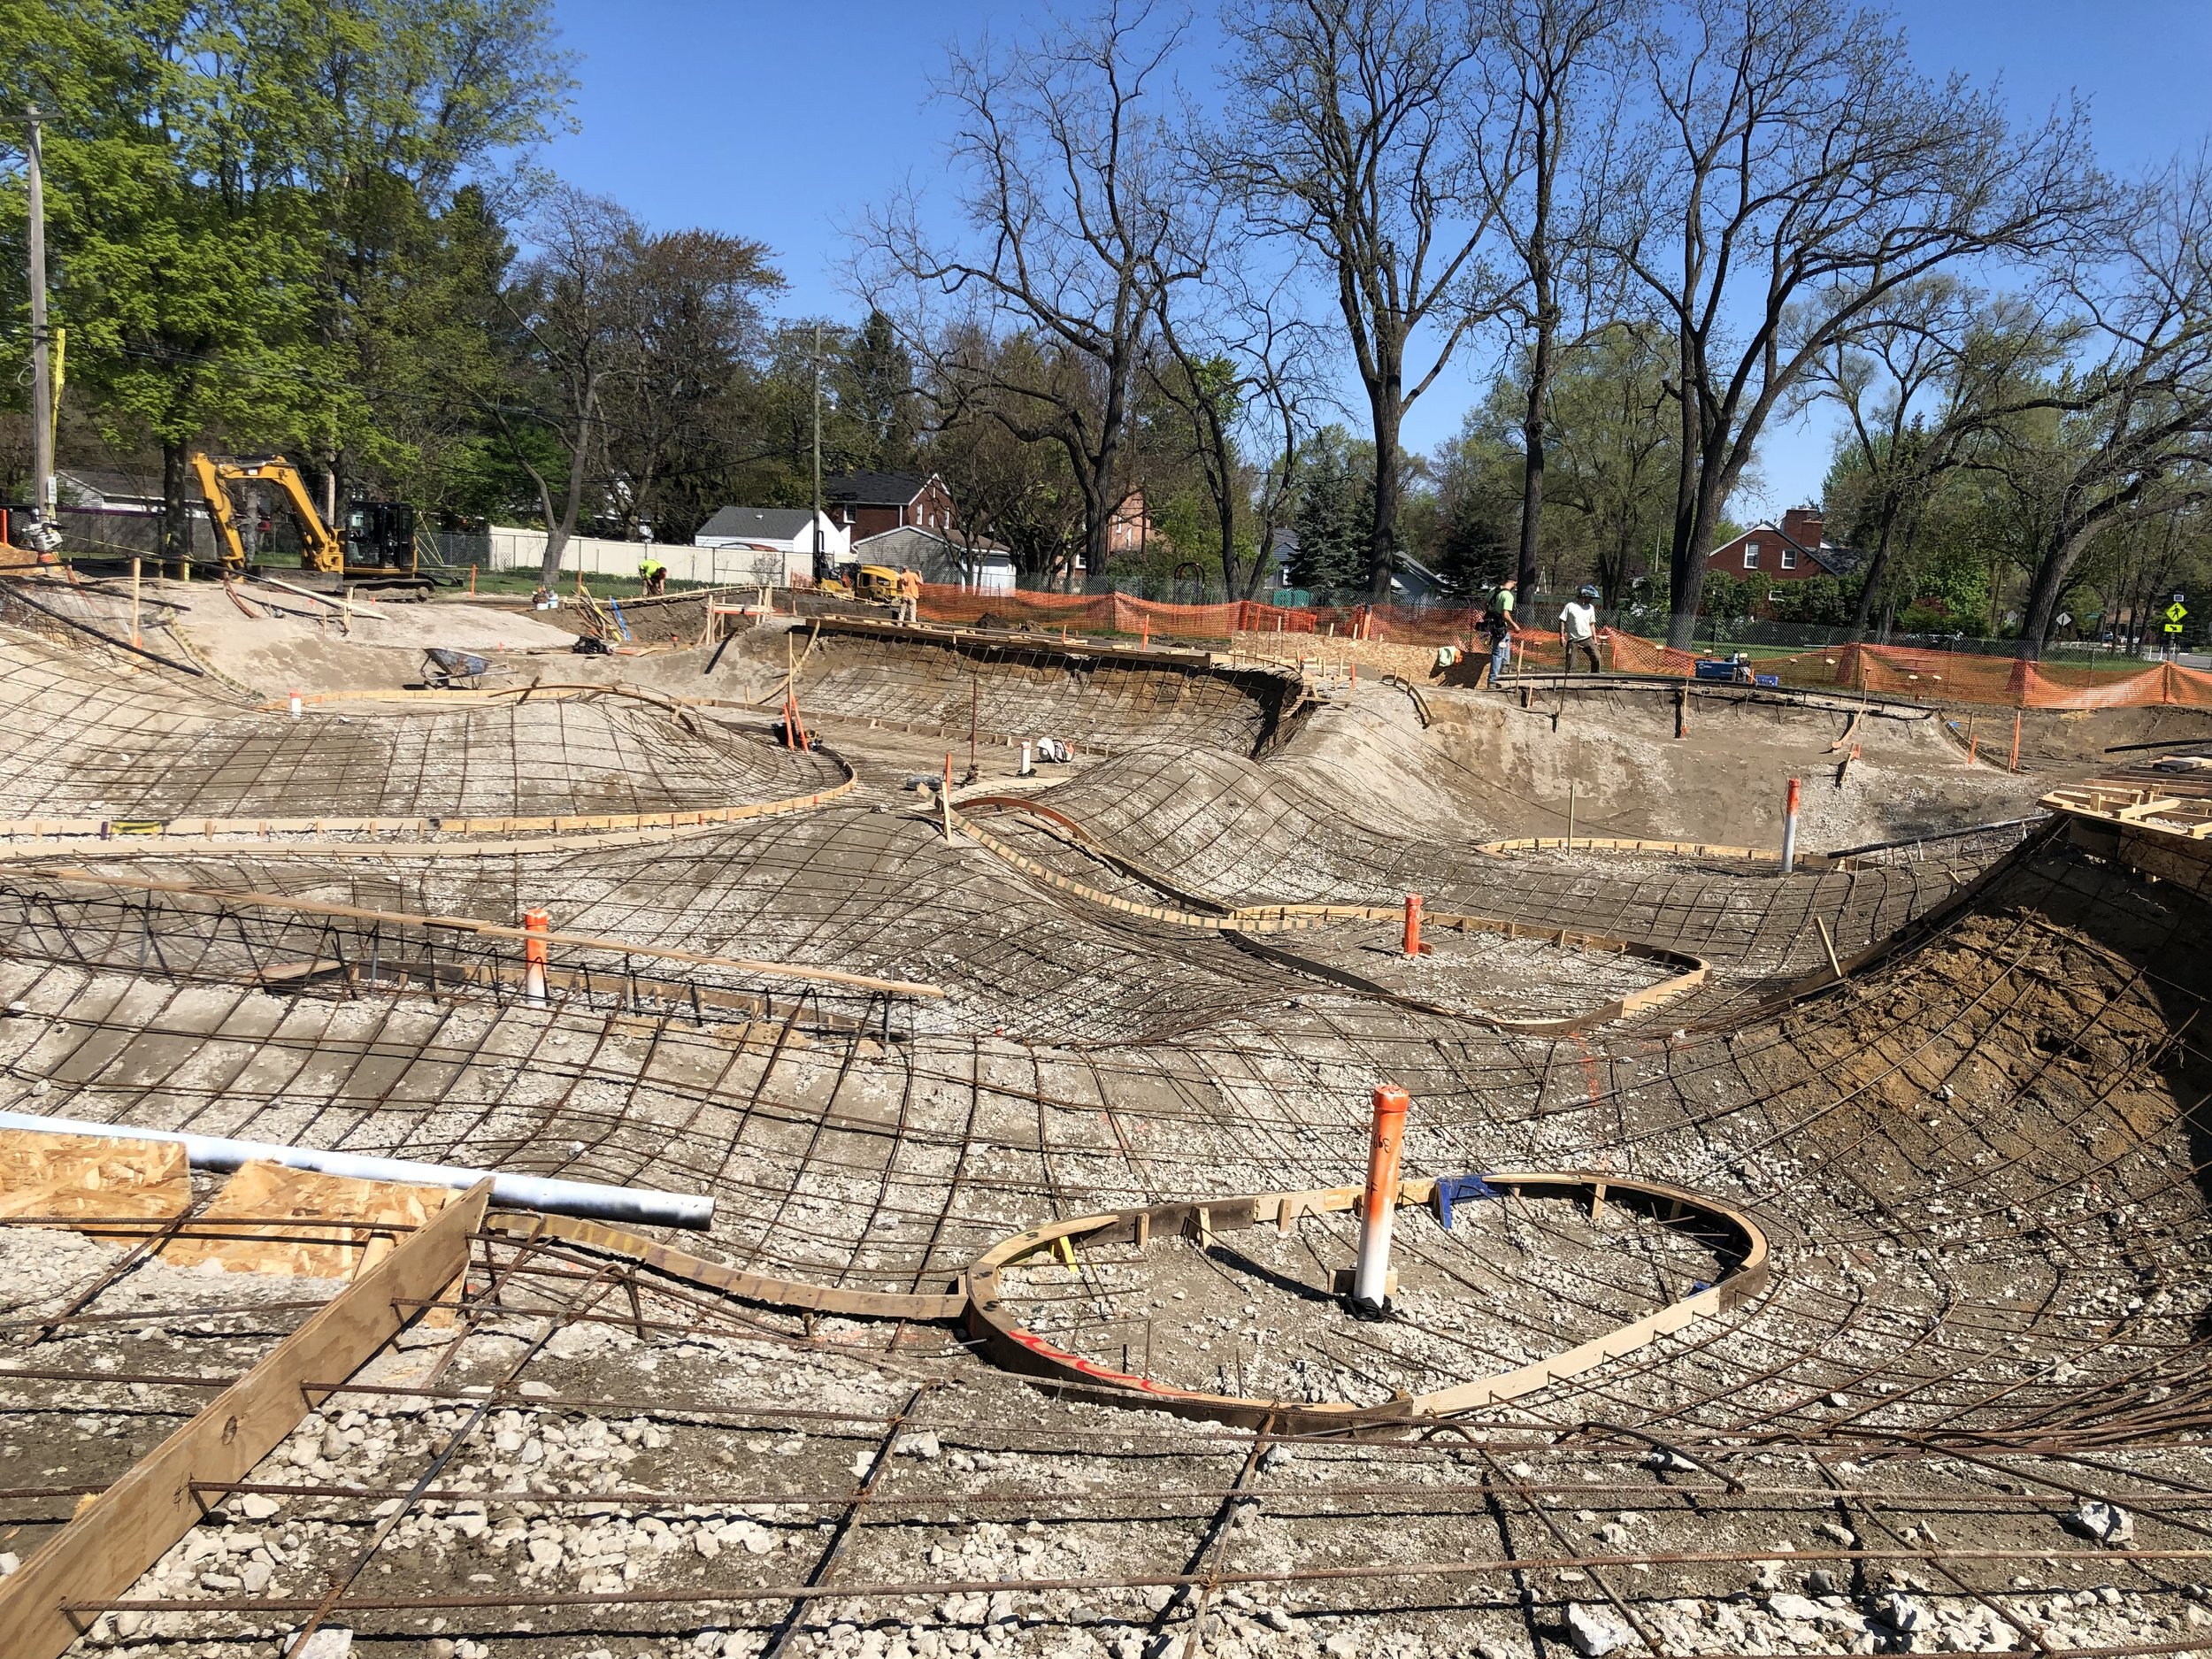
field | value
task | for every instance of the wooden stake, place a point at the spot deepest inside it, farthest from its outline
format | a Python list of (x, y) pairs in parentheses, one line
[(135, 639), (1828, 944), (2014, 765)]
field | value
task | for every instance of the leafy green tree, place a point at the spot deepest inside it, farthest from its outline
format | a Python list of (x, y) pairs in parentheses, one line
[(255, 226), (185, 261)]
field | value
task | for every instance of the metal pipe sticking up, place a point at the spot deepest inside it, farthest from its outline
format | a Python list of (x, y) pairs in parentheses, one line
[(1371, 1278), (1789, 829), (590, 1199), (1413, 945)]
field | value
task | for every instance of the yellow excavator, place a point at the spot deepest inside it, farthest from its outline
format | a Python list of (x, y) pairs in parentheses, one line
[(377, 550)]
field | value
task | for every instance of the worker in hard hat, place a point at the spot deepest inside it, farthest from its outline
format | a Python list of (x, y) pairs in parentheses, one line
[(652, 575), (1498, 624), (1578, 628)]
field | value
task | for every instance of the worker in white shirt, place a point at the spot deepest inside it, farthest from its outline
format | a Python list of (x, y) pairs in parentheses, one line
[(1578, 629)]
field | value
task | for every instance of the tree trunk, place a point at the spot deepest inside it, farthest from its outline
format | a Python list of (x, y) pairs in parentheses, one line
[(1692, 539), (1532, 449), (1382, 547), (176, 511), (559, 530), (2050, 581), (1874, 569), (1686, 565)]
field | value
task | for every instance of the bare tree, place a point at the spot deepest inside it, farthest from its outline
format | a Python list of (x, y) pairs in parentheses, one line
[(2135, 428), (1933, 366), (574, 312), (1071, 188), (1798, 171), (1235, 360), (1351, 131), (1554, 65)]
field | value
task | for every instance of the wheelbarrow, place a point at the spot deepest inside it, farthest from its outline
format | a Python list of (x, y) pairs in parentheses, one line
[(455, 671)]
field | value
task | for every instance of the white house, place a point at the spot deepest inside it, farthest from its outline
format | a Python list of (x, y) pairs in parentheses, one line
[(987, 568), (781, 539)]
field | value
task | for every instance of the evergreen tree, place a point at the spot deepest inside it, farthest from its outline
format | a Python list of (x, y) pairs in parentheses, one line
[(1335, 517)]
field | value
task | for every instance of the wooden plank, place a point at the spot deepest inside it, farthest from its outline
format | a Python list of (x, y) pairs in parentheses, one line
[(93, 1177), (114, 1538), (250, 1212)]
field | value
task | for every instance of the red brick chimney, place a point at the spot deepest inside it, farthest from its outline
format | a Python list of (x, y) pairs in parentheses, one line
[(1801, 525)]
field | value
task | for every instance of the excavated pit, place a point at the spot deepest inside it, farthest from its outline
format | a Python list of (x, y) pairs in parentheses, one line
[(1958, 1081)]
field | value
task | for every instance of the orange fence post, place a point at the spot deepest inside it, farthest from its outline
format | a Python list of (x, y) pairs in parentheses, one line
[(2014, 763), (536, 923), (1371, 1278), (472, 581)]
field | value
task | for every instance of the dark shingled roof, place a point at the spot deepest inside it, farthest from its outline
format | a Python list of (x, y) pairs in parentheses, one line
[(873, 490), (765, 524)]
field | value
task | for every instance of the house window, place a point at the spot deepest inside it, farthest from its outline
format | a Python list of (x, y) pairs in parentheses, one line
[(1751, 556), (1789, 559)]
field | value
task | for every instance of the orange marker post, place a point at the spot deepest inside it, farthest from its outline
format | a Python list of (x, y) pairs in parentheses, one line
[(536, 923), (1414, 947), (1789, 829), (1371, 1278), (2014, 765)]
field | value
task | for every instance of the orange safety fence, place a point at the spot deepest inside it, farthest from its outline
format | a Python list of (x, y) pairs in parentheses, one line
[(1938, 676), (1896, 671)]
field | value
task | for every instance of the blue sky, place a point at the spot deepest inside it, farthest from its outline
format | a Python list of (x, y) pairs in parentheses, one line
[(784, 121)]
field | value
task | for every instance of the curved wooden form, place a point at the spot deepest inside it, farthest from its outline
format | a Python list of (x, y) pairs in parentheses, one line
[(479, 928), (763, 1289), (1690, 971), (991, 1322), (20, 838)]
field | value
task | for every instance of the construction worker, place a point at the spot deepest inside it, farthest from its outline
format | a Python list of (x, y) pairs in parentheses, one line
[(910, 595), (652, 575), (1578, 629), (1500, 622)]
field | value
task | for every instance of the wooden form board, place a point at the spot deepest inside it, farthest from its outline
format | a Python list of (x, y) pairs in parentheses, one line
[(244, 1230), (126, 1529), (94, 1178)]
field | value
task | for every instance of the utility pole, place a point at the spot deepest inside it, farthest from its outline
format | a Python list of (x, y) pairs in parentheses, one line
[(818, 451), (42, 366)]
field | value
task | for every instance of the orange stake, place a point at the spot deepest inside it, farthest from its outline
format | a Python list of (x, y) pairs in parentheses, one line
[(1371, 1278), (537, 923), (1414, 947), (2014, 763)]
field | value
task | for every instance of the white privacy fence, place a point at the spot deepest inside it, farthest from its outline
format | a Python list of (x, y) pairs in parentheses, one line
[(505, 548)]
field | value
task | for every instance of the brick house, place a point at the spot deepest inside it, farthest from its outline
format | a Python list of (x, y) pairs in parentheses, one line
[(1770, 555), (869, 503)]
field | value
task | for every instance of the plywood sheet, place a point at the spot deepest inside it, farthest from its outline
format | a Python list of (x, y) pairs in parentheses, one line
[(249, 1216), (89, 1178)]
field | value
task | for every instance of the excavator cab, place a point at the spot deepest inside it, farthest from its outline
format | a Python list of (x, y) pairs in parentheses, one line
[(380, 535)]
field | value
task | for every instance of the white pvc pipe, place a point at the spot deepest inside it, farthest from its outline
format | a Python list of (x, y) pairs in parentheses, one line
[(587, 1199)]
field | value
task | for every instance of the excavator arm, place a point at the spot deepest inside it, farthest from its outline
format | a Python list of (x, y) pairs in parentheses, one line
[(321, 549)]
